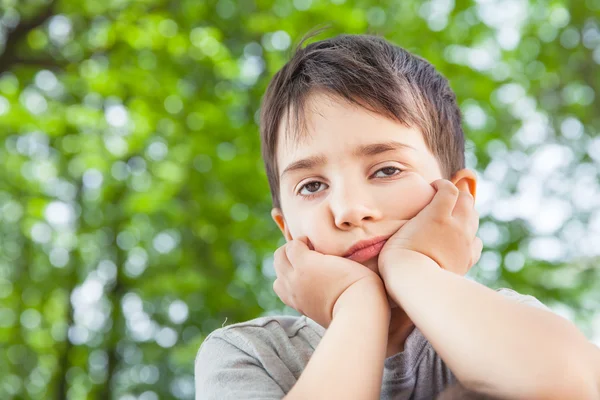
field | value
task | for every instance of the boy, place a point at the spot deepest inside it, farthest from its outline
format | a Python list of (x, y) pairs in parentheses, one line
[(358, 136)]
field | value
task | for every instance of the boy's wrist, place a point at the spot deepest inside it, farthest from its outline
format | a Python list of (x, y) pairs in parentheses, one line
[(404, 260), (367, 294)]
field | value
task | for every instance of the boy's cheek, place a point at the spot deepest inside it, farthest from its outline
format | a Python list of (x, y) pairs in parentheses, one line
[(297, 229), (409, 201)]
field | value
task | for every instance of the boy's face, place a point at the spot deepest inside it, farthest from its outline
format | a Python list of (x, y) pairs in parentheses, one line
[(351, 195)]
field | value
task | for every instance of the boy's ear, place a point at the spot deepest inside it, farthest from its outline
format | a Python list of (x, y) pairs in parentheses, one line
[(466, 181), (277, 216)]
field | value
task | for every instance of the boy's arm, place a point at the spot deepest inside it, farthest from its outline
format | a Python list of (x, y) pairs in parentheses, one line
[(493, 344), (348, 363)]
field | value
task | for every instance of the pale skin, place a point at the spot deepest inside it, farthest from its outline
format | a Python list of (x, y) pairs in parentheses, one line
[(432, 223), (355, 206)]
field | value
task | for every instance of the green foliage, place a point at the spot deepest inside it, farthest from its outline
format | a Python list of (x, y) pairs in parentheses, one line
[(134, 208)]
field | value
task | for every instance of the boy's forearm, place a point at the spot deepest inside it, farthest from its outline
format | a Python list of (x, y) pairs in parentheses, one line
[(348, 363), (491, 343)]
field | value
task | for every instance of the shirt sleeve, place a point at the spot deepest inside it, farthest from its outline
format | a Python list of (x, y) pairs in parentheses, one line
[(225, 372)]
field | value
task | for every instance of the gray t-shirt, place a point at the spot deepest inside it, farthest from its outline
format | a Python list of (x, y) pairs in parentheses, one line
[(263, 358)]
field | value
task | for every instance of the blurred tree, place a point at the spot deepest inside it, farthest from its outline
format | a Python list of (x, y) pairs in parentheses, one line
[(134, 209)]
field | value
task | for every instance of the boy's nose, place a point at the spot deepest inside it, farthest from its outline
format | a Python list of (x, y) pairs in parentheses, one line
[(353, 211)]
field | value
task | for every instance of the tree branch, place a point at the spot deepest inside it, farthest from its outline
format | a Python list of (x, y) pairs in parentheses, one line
[(37, 62), (9, 56)]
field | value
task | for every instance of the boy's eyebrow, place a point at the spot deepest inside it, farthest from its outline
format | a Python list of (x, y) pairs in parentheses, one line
[(367, 150)]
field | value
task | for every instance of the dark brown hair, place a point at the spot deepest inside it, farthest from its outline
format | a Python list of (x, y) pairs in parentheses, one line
[(372, 73)]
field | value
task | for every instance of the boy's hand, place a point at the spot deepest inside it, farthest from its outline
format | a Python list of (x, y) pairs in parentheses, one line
[(444, 231), (312, 282)]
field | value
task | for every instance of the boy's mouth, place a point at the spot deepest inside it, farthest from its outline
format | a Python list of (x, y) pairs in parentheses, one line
[(365, 250)]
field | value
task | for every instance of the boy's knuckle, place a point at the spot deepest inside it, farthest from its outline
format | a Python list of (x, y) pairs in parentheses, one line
[(277, 287), (465, 200), (278, 255), (465, 195), (439, 219), (277, 269), (462, 239), (448, 187), (467, 241), (445, 184), (478, 243)]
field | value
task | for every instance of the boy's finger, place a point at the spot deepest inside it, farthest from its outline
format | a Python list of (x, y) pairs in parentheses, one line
[(474, 222), (445, 197), (477, 248), (465, 211), (466, 198), (306, 241), (281, 263), (277, 287), (295, 249), (282, 291)]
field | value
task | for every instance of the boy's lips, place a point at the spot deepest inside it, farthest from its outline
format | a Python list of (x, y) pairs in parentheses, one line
[(367, 253), (366, 249)]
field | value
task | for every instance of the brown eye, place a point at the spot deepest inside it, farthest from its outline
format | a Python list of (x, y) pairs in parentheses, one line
[(311, 188), (388, 171)]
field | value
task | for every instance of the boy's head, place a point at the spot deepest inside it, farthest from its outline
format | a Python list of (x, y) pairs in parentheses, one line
[(361, 127)]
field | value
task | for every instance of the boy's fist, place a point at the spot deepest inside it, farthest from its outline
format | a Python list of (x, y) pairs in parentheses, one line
[(312, 282), (444, 231)]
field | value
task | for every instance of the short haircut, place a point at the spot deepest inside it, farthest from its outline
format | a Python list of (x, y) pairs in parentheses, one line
[(372, 73)]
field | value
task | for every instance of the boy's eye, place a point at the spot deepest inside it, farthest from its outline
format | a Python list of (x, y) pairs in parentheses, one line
[(388, 171), (312, 187)]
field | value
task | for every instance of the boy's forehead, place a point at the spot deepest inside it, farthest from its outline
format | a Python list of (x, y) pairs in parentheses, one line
[(327, 123), (298, 126)]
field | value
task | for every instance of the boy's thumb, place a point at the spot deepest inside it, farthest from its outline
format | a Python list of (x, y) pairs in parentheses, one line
[(296, 246), (306, 241)]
